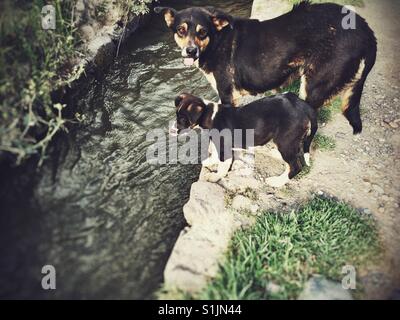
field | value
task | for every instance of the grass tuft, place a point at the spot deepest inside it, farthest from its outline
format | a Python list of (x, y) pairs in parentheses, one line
[(286, 249), (324, 142)]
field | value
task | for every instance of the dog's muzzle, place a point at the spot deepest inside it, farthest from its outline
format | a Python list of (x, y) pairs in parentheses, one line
[(190, 55)]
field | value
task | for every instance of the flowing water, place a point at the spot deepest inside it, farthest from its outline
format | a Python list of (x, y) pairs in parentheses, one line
[(98, 212)]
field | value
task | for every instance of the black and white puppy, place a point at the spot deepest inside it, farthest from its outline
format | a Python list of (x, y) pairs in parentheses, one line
[(285, 119), (246, 56)]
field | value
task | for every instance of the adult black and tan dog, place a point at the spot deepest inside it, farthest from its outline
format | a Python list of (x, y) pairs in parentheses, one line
[(285, 119), (246, 56)]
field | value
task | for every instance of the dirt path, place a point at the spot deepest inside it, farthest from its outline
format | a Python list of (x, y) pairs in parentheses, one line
[(364, 170)]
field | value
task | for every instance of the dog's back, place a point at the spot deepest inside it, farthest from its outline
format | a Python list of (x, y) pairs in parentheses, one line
[(269, 117)]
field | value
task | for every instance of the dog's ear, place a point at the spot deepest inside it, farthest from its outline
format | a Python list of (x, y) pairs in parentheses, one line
[(179, 99), (169, 15), (219, 18)]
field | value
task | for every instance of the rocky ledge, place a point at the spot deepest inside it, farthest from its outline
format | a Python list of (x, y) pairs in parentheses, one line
[(103, 26)]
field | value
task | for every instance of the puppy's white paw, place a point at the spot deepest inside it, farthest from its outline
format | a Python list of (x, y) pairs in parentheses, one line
[(307, 159), (277, 182)]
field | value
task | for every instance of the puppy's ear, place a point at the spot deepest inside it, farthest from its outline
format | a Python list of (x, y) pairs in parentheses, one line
[(179, 99), (219, 18), (169, 15)]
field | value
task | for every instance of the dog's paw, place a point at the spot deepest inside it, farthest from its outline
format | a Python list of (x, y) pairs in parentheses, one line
[(277, 182), (307, 159)]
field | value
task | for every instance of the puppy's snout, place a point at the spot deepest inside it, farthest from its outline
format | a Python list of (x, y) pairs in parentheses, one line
[(192, 51)]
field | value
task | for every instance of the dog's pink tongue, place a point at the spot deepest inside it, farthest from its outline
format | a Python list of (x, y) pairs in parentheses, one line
[(188, 61)]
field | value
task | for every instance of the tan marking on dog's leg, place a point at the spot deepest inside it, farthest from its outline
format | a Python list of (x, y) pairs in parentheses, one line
[(303, 87), (279, 181), (346, 95), (348, 91), (237, 95)]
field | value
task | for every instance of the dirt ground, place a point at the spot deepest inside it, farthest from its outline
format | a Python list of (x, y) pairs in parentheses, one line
[(364, 170)]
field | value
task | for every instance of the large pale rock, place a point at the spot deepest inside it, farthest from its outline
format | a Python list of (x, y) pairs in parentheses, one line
[(199, 248), (269, 9), (240, 203), (206, 201)]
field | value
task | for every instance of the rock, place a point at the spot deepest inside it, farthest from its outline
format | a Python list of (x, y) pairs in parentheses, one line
[(265, 10), (394, 125), (80, 6), (206, 199), (103, 49), (319, 288), (238, 184), (87, 32), (194, 259), (367, 212), (378, 189), (273, 288), (242, 203)]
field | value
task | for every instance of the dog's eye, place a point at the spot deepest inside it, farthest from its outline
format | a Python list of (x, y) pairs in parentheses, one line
[(181, 31), (202, 33)]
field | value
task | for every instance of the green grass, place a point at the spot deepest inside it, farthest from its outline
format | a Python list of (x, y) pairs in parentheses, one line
[(325, 114), (293, 87), (286, 249), (324, 142), (304, 172)]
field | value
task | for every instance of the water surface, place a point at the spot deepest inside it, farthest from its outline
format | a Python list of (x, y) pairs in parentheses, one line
[(98, 212)]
